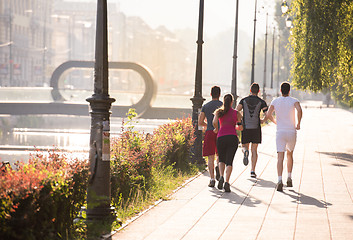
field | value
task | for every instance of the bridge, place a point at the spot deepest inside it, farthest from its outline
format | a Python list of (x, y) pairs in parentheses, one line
[(164, 106), (53, 100)]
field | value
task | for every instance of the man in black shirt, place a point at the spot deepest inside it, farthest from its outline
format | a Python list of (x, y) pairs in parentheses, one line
[(251, 106)]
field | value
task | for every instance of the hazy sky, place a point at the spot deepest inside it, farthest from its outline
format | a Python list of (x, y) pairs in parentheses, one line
[(219, 15)]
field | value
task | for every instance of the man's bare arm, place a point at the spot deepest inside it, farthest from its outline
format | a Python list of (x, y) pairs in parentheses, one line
[(215, 123), (202, 118), (299, 114), (269, 115), (239, 107)]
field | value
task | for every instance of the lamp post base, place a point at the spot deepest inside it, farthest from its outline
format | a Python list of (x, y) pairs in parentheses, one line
[(197, 148), (100, 213)]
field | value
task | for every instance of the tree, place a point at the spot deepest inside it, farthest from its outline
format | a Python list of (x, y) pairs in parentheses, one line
[(322, 44)]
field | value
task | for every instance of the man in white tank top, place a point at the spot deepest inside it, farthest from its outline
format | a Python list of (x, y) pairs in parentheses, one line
[(286, 135)]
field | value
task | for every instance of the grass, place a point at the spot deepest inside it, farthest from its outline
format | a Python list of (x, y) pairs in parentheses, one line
[(165, 181)]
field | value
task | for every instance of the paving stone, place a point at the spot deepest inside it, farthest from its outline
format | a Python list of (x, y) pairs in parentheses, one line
[(318, 206)]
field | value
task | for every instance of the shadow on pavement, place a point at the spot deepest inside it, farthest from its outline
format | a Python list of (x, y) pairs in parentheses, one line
[(246, 200), (339, 165), (234, 198), (341, 156), (307, 200), (263, 183)]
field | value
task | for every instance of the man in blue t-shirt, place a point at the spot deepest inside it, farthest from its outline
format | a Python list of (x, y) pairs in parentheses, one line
[(209, 143), (251, 106)]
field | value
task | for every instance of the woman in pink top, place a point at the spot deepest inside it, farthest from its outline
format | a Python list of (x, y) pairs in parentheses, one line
[(227, 139)]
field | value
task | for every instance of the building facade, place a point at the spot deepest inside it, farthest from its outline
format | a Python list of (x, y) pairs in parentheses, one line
[(24, 42), (36, 36)]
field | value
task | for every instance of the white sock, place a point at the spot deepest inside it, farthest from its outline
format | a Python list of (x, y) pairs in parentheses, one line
[(212, 179), (279, 178), (290, 175)]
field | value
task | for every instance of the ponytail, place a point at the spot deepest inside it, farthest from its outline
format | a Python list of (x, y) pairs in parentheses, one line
[(227, 104)]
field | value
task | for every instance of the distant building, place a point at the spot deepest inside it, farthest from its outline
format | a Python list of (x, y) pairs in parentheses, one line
[(24, 42), (36, 36)]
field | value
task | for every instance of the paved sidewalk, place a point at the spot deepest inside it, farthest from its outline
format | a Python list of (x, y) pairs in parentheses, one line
[(319, 206)]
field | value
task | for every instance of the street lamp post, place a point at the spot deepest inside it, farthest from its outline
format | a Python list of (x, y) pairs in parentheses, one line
[(273, 54), (253, 48), (264, 82), (197, 100), (235, 57), (99, 192), (278, 63)]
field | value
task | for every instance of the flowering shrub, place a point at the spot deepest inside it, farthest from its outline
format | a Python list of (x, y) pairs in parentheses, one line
[(134, 155), (40, 199), (172, 143), (131, 163)]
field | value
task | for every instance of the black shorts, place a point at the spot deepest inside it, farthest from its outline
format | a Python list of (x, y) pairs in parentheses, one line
[(251, 136), (227, 147)]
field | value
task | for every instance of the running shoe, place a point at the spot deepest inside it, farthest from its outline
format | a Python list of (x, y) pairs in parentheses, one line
[(217, 173), (246, 157), (289, 182), (226, 187), (279, 186), (253, 174), (212, 183), (220, 183)]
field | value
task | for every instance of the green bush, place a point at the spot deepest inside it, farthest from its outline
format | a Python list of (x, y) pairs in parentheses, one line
[(173, 142), (134, 155)]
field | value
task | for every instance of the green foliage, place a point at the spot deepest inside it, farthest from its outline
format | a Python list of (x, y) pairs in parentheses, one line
[(134, 156), (174, 141), (131, 115), (322, 46)]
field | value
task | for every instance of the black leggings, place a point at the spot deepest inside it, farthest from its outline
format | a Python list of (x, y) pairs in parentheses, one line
[(227, 146)]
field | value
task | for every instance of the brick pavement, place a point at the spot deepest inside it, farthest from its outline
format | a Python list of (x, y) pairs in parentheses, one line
[(319, 206)]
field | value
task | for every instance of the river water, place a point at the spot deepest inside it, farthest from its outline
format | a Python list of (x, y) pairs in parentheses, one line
[(72, 136), (20, 135)]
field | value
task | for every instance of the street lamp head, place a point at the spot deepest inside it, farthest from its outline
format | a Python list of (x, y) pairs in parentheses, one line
[(289, 22), (291, 30), (284, 7)]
